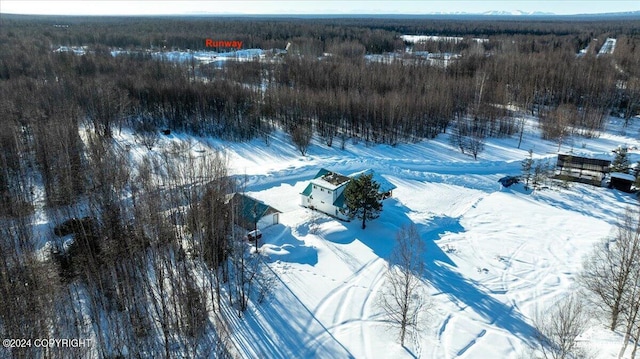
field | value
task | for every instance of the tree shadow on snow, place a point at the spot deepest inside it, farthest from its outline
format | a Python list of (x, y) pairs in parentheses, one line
[(380, 234), (290, 332), (440, 272), (580, 199), (466, 293), (314, 223)]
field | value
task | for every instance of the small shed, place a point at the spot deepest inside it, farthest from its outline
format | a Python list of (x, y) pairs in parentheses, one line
[(621, 181), (252, 213)]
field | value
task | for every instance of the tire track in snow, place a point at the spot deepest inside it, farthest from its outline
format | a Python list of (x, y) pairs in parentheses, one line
[(471, 343), (341, 315), (345, 286), (374, 288), (328, 337), (336, 292), (508, 272), (441, 350), (538, 286), (422, 170), (541, 290), (553, 281), (337, 306)]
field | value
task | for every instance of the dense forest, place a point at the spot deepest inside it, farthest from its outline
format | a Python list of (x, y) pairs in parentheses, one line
[(153, 258)]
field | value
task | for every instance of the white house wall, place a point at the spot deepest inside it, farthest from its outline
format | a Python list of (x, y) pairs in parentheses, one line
[(326, 207), (320, 194), (322, 200)]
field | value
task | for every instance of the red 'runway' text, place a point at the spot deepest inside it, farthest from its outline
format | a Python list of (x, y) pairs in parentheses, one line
[(223, 43)]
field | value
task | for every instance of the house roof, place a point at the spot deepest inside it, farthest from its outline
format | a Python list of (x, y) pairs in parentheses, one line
[(330, 180), (252, 209), (385, 186), (322, 172), (339, 202), (624, 176), (577, 160), (307, 191)]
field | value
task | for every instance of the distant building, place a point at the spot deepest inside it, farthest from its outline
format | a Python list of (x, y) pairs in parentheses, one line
[(252, 213), (77, 50), (325, 192), (621, 181), (582, 169)]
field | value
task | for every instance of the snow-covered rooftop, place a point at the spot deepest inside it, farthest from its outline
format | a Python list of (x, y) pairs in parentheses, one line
[(624, 176), (385, 186), (331, 180)]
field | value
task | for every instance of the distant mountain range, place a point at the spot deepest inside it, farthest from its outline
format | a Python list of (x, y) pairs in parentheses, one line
[(517, 13), (534, 13), (627, 14), (497, 13)]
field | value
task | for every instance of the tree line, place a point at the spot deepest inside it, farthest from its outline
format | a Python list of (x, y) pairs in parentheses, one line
[(341, 95), (145, 260)]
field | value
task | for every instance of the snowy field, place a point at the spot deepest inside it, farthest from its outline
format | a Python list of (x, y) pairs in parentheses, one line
[(495, 257)]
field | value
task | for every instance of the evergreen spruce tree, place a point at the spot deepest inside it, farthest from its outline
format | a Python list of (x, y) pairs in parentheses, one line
[(527, 165), (541, 171), (362, 199), (621, 161)]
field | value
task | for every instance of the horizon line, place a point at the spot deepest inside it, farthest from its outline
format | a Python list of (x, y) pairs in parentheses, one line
[(481, 14)]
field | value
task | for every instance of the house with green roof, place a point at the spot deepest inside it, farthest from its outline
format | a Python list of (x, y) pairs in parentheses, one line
[(325, 192)]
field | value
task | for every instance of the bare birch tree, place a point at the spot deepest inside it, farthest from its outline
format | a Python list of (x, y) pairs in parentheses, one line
[(558, 329), (403, 299), (608, 272), (301, 136), (631, 313)]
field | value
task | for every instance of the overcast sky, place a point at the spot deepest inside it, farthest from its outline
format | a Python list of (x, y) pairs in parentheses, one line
[(560, 7)]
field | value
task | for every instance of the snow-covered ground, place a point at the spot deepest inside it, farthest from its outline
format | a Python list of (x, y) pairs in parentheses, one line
[(179, 56), (495, 257), (608, 47), (425, 38)]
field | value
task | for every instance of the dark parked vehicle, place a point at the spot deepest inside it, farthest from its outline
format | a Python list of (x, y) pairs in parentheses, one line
[(509, 180), (254, 234)]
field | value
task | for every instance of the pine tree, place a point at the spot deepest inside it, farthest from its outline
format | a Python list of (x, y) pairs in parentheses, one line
[(527, 165), (540, 173), (621, 161), (362, 198)]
